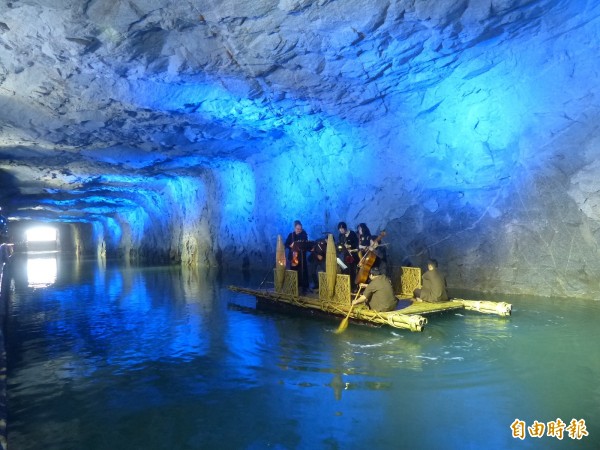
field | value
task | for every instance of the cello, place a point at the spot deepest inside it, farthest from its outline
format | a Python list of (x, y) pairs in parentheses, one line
[(367, 262)]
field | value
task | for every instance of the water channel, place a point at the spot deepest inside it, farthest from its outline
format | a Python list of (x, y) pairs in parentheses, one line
[(108, 357)]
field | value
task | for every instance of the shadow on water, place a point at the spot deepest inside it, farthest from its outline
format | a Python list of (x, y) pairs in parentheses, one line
[(167, 357)]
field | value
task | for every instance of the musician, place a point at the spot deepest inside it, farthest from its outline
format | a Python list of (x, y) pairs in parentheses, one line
[(380, 251), (373, 255), (297, 254), (364, 236), (379, 293), (316, 261), (348, 251)]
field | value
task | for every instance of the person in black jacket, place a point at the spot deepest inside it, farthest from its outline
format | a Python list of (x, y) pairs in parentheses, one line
[(347, 246), (364, 236), (316, 261), (295, 243)]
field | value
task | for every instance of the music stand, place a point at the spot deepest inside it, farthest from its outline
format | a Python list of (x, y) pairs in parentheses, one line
[(302, 246)]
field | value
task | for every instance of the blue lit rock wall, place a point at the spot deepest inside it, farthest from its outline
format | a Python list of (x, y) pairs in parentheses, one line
[(197, 132), (491, 169), (488, 165), (170, 219)]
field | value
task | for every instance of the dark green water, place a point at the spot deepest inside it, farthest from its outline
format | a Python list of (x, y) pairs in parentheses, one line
[(161, 358)]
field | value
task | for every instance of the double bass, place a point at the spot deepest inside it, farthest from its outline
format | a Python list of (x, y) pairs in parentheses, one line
[(367, 261)]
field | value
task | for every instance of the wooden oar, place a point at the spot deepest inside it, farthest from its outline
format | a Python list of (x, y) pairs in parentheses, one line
[(344, 323)]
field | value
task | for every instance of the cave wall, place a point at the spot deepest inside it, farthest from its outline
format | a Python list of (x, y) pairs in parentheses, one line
[(467, 130)]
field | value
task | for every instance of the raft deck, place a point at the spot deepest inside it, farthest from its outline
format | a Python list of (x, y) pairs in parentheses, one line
[(409, 315)]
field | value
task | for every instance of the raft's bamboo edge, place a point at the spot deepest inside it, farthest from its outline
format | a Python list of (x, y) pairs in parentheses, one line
[(405, 319), (486, 307), (396, 319)]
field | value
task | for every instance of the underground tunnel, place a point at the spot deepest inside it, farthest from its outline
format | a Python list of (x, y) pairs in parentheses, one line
[(190, 135)]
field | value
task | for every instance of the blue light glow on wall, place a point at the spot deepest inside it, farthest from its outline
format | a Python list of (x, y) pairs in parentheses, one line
[(95, 204), (290, 184), (158, 209), (114, 230), (449, 128), (308, 180), (97, 231), (187, 192), (238, 200), (137, 221)]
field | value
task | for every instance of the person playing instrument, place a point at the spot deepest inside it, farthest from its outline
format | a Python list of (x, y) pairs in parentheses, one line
[(374, 255), (316, 261), (348, 248), (434, 285), (379, 249), (297, 254), (379, 293), (364, 236)]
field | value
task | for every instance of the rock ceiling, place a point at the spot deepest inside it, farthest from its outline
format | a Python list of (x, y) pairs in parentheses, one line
[(102, 85)]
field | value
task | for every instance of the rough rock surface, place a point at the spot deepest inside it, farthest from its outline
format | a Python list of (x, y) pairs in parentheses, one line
[(197, 131)]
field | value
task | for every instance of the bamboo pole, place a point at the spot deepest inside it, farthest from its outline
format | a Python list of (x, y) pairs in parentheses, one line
[(331, 266), (280, 263), (487, 307)]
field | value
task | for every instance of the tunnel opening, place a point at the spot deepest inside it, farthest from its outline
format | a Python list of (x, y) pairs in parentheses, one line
[(42, 270), (41, 239)]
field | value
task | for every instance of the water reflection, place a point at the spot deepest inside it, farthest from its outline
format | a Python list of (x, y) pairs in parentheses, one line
[(167, 357), (41, 270)]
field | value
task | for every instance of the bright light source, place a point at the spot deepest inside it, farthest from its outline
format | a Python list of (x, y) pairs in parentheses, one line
[(41, 234), (41, 272)]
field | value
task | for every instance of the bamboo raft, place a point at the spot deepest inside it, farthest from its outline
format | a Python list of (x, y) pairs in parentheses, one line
[(334, 296)]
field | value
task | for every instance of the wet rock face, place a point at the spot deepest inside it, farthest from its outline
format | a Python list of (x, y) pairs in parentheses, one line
[(196, 132)]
